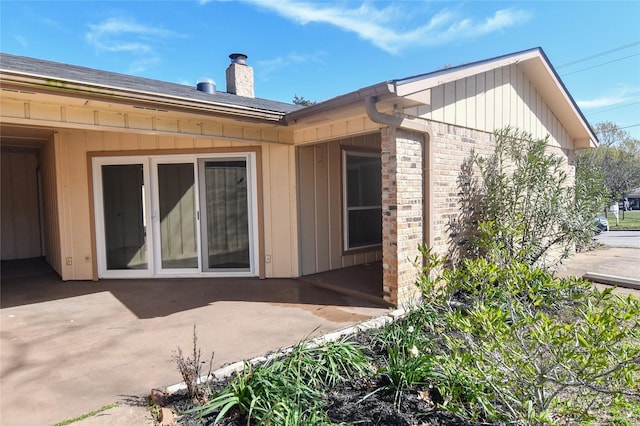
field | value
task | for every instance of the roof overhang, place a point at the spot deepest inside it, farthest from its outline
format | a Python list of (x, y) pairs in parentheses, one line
[(27, 82), (416, 90)]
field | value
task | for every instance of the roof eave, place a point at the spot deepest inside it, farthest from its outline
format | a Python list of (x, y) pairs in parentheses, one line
[(380, 90), (128, 96)]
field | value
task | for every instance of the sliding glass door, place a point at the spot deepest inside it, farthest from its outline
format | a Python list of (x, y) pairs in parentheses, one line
[(174, 216), (123, 210), (225, 225)]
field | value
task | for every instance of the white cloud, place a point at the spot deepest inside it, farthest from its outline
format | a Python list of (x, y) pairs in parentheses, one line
[(21, 40), (125, 35), (615, 96), (267, 67), (381, 25)]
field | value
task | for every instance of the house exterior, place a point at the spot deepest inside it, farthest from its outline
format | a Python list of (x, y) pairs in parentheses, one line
[(114, 176), (633, 197)]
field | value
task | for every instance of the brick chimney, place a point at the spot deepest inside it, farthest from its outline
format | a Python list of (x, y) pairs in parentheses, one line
[(240, 76)]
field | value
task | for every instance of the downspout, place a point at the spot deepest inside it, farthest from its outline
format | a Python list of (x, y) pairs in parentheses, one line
[(417, 125)]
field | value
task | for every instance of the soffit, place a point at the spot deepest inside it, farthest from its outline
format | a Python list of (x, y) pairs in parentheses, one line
[(20, 138)]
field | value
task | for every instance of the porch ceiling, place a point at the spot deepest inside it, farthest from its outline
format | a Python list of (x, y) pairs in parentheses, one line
[(18, 137)]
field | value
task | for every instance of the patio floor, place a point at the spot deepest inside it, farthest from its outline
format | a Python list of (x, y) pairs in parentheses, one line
[(71, 347)]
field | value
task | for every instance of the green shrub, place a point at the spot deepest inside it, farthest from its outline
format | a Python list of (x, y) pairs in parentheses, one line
[(524, 346), (523, 206), (289, 390), (409, 361)]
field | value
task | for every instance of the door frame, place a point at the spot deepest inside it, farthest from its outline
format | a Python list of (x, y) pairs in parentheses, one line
[(150, 197)]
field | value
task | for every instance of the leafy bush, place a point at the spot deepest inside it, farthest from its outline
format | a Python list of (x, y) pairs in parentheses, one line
[(521, 345), (523, 206)]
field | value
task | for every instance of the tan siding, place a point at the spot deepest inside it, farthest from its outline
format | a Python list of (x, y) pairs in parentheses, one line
[(471, 106), (282, 244), (20, 221), (307, 208), (449, 102), (334, 205), (489, 109), (83, 116), (50, 207), (73, 192), (437, 101), (11, 108), (189, 126), (323, 212), (320, 203), (461, 101), (135, 121), (38, 111), (183, 143), (514, 96), (493, 100), (480, 108)]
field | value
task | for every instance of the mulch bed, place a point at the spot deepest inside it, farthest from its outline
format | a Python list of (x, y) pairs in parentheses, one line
[(362, 402)]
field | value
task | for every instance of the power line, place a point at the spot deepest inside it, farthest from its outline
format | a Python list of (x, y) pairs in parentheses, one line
[(626, 127), (615, 49), (599, 65), (610, 109)]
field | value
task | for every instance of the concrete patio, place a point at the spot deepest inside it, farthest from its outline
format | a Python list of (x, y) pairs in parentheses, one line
[(68, 348), (72, 347)]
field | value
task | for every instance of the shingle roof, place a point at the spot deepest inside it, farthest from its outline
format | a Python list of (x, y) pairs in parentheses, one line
[(78, 74)]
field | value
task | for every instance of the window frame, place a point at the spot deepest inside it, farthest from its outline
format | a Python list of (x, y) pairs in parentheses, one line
[(354, 152)]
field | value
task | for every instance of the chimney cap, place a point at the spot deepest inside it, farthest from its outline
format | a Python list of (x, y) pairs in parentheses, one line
[(238, 58)]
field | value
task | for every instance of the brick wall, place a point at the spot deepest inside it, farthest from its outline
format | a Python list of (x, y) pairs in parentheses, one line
[(402, 218), (451, 146), (403, 197)]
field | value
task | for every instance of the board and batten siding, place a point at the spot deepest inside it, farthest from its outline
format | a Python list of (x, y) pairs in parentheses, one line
[(493, 100), (19, 206), (320, 205), (50, 214), (71, 148)]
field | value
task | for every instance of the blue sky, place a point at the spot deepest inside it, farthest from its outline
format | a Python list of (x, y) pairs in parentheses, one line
[(321, 49)]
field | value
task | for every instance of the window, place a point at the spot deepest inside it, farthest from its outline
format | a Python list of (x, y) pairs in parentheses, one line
[(362, 199)]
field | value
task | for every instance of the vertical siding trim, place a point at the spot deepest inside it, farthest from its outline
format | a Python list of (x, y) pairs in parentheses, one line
[(472, 108)]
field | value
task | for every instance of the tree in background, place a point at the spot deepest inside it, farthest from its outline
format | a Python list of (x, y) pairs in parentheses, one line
[(300, 100), (617, 159)]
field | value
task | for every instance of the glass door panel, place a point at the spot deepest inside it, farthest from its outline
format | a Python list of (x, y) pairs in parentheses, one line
[(225, 227), (124, 216), (177, 216)]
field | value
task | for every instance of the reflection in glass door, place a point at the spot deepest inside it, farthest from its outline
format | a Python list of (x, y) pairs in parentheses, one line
[(123, 209), (225, 225), (177, 228)]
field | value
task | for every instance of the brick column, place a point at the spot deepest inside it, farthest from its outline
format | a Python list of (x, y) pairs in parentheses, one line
[(402, 213)]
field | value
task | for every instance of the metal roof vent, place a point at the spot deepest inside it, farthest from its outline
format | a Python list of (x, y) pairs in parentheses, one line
[(238, 58), (206, 85)]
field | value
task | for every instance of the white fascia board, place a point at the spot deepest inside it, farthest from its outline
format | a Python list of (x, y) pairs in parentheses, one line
[(413, 85)]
